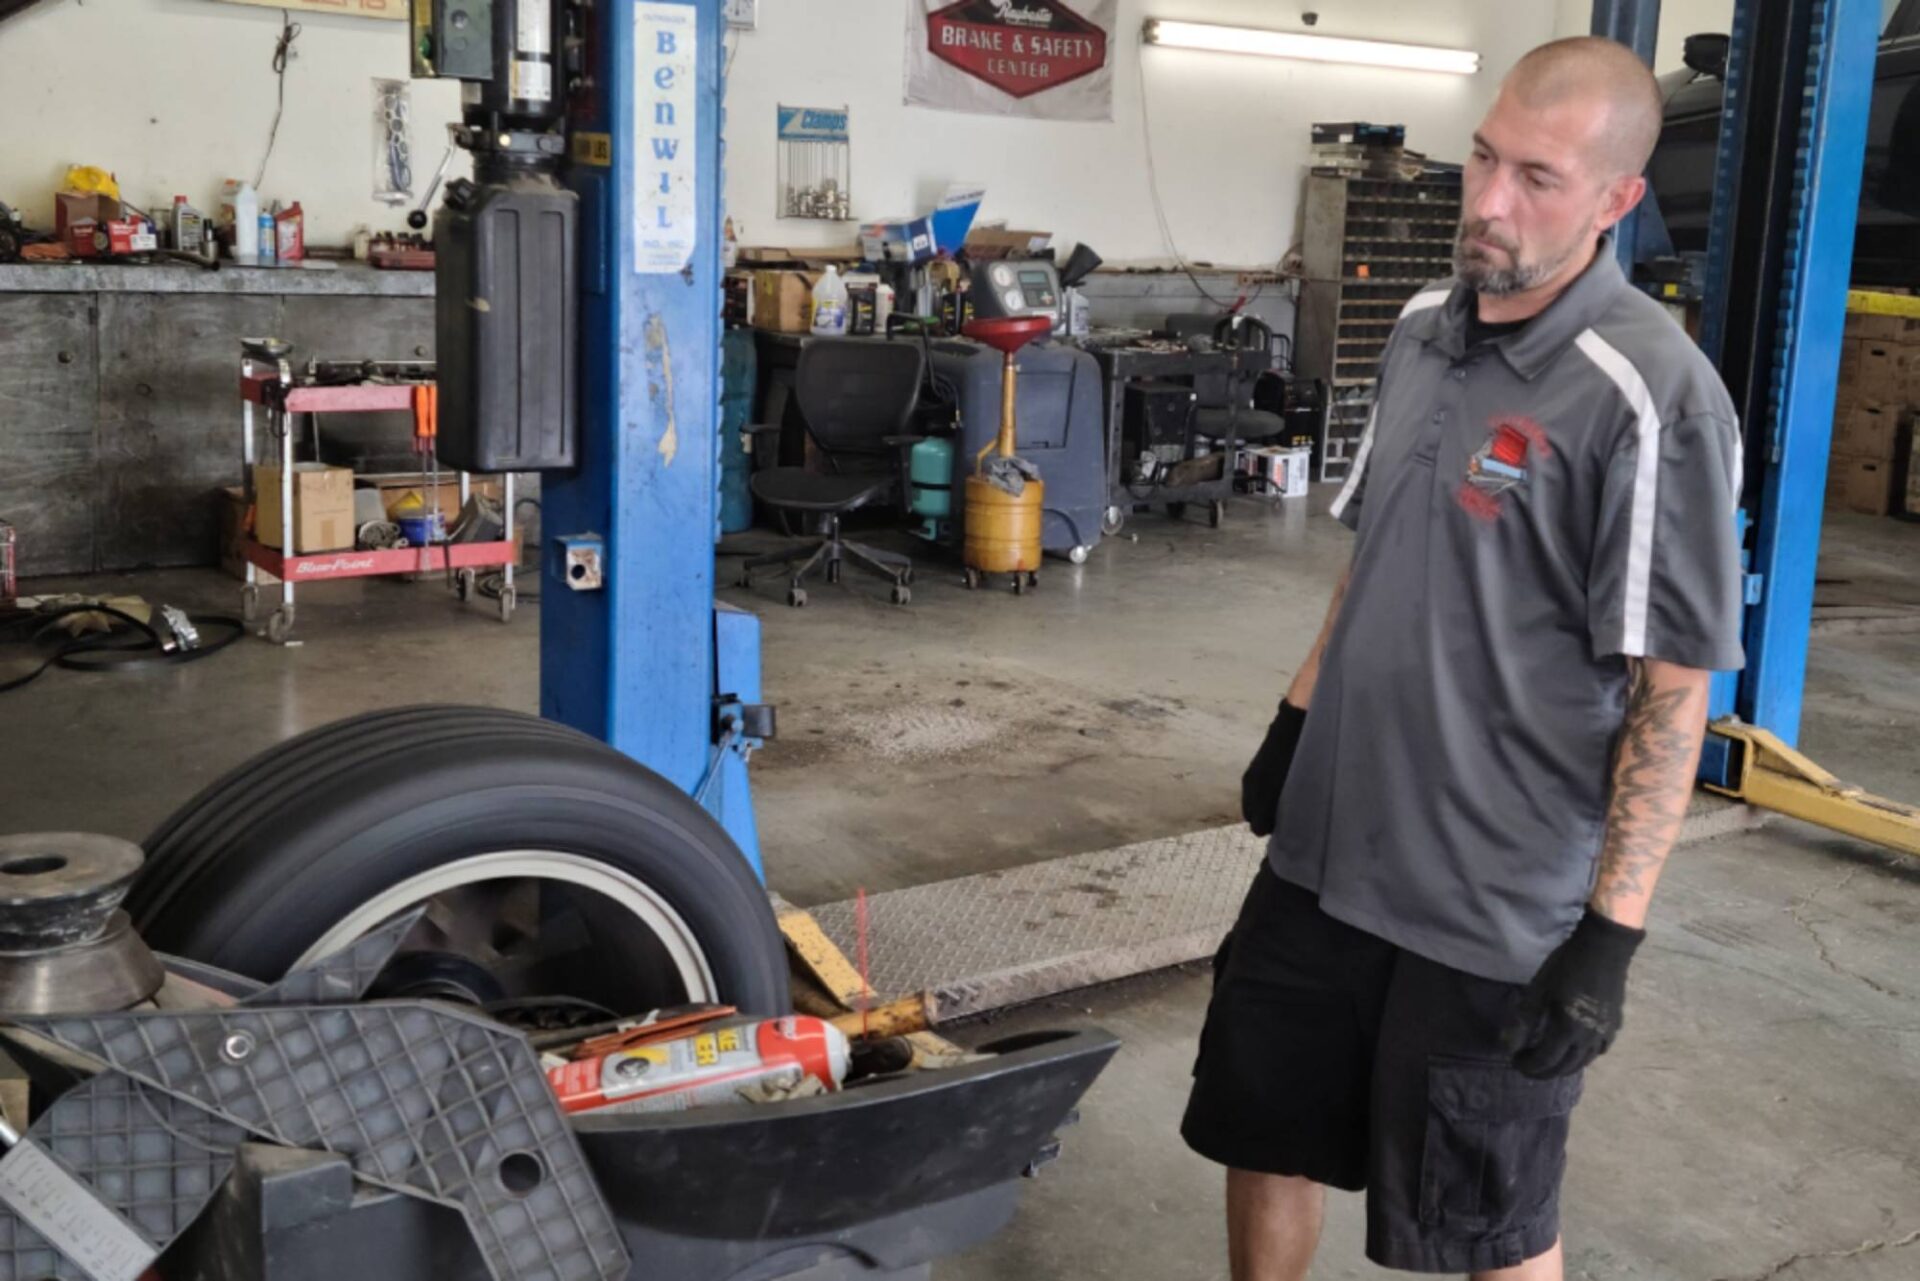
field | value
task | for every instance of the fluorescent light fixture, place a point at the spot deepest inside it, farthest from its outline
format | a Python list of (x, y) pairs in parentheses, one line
[(1293, 44)]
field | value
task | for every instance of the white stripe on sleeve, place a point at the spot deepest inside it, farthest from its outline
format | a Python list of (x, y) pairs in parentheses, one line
[(1646, 479), (1359, 467), (1422, 301)]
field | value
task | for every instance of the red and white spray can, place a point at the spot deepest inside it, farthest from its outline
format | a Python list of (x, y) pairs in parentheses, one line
[(706, 1068)]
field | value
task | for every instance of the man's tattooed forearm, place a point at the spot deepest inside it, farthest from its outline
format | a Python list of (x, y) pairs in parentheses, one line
[(1652, 783)]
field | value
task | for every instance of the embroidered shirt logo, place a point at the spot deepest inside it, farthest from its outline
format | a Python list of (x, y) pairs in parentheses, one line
[(1500, 464)]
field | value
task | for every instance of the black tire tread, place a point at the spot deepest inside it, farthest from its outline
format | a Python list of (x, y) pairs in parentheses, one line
[(205, 874), (200, 833)]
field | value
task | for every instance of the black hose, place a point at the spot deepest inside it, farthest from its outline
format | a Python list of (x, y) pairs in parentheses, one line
[(118, 651)]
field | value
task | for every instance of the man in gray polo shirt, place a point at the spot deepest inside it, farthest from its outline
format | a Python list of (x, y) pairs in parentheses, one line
[(1506, 707)]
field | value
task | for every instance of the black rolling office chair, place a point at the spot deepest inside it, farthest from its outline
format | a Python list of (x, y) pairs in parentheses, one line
[(1226, 411), (858, 395)]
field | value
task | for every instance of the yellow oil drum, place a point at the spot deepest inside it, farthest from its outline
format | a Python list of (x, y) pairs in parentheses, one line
[(1003, 532)]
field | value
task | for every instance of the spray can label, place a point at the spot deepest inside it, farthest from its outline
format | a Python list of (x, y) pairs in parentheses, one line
[(707, 1068)]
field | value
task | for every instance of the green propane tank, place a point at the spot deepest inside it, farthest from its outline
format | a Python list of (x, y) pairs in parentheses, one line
[(930, 481)]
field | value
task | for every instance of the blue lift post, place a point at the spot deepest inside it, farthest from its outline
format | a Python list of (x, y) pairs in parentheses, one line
[(648, 662), (1786, 199)]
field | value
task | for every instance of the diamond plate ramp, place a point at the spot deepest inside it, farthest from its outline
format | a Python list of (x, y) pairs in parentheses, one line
[(982, 942), (979, 943)]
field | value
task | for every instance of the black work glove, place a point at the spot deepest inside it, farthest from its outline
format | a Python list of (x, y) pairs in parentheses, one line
[(1260, 785), (1570, 1013)]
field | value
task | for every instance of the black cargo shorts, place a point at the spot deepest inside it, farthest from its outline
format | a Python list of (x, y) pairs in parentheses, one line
[(1331, 1054)]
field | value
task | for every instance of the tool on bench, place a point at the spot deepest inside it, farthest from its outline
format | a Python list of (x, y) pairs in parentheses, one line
[(426, 433)]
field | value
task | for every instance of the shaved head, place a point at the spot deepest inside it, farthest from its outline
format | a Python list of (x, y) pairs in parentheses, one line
[(1556, 163), (1606, 77)]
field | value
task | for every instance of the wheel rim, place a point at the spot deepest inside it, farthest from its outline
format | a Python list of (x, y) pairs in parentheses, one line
[(640, 901)]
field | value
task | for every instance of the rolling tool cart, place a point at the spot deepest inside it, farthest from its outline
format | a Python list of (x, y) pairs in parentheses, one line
[(1152, 451), (269, 384)]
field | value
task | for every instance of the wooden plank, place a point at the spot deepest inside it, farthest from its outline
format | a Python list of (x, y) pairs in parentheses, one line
[(49, 379)]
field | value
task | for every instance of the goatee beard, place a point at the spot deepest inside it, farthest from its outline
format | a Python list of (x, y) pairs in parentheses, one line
[(1482, 276)]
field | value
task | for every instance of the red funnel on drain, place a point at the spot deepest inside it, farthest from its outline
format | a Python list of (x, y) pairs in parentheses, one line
[(1008, 333)]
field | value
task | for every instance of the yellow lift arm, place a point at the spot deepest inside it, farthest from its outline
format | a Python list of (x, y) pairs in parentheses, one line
[(1773, 776)]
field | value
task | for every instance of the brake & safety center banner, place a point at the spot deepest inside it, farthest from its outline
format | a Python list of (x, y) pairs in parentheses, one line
[(1045, 59)]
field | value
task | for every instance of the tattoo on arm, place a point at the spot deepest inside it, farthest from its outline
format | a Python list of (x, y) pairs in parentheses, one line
[(1653, 776)]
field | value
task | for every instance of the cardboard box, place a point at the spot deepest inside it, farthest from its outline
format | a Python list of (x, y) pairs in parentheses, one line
[(1877, 328), (322, 507), (1882, 372), (1866, 431), (899, 240), (985, 244), (1282, 469), (70, 207), (783, 300), (1860, 484)]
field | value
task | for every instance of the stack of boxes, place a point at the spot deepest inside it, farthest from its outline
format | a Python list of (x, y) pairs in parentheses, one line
[(1870, 470)]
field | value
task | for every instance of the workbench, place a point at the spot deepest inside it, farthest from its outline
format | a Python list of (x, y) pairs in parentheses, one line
[(119, 385)]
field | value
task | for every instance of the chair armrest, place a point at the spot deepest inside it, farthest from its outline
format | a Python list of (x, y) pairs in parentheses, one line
[(762, 434)]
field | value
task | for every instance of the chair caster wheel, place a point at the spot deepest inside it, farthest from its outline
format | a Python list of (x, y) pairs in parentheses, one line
[(796, 597), (901, 595), (906, 577)]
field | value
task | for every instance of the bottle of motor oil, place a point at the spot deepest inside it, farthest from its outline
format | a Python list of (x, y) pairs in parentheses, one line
[(189, 226), (705, 1069)]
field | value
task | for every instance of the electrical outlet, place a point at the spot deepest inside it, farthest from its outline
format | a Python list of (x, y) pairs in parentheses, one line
[(743, 13)]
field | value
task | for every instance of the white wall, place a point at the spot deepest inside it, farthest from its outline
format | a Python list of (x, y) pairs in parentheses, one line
[(1230, 134), (175, 96), (179, 93)]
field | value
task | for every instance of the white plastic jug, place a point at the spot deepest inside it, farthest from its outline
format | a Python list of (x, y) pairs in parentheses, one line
[(244, 202), (830, 304)]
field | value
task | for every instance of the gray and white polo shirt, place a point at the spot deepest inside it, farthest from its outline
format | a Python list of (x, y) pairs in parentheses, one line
[(1530, 514)]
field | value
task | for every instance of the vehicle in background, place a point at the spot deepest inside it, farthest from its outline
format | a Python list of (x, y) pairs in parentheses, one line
[(1887, 242)]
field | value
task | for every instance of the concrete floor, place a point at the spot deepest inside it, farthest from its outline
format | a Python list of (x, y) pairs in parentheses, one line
[(1759, 1119)]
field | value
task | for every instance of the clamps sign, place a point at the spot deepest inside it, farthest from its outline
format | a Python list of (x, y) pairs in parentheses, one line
[(666, 106), (812, 124)]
